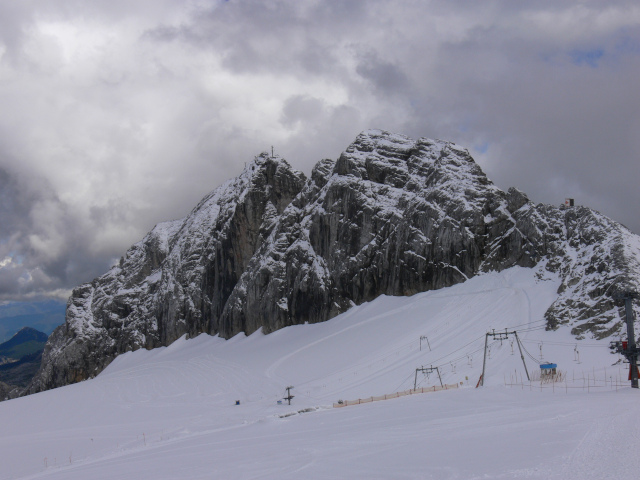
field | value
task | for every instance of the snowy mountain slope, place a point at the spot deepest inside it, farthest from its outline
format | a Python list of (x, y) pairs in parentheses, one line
[(170, 412), (392, 216)]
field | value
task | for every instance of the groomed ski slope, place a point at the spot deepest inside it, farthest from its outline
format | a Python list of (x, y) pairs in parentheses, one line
[(171, 413)]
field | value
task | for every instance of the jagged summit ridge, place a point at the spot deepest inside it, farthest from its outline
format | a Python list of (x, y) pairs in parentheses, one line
[(391, 215), (394, 216)]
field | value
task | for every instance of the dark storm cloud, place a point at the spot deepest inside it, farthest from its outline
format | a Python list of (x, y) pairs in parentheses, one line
[(20, 265), (387, 78), (120, 114), (13, 205), (37, 258), (269, 37), (556, 125), (301, 109)]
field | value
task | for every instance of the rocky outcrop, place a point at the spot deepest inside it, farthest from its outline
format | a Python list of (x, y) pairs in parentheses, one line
[(390, 216), (8, 392)]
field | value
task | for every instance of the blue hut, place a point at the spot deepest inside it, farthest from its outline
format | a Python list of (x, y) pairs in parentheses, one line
[(548, 370)]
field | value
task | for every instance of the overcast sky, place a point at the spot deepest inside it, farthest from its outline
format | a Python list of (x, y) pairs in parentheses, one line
[(118, 114)]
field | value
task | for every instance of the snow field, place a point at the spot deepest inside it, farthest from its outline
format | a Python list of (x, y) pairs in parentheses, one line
[(170, 413)]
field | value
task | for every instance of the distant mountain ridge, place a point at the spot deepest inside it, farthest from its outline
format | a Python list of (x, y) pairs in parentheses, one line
[(20, 359), (392, 216), (25, 342), (44, 316)]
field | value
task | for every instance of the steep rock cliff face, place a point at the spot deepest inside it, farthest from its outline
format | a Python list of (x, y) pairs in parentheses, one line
[(175, 281), (396, 216), (391, 216)]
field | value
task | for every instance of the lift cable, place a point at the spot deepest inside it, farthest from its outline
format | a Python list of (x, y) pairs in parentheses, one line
[(457, 350), (531, 356), (567, 344), (529, 324)]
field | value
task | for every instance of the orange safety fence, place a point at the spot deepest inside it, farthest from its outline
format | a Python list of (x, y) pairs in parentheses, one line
[(346, 403)]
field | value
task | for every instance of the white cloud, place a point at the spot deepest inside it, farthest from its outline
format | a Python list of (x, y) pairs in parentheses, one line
[(117, 115)]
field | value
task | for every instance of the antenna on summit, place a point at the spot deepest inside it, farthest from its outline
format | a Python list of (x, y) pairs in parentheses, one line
[(271, 151)]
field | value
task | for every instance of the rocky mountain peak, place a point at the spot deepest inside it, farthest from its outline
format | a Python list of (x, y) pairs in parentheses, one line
[(391, 215), (392, 159)]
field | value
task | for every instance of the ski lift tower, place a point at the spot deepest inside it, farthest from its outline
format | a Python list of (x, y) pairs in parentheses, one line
[(289, 397), (629, 348)]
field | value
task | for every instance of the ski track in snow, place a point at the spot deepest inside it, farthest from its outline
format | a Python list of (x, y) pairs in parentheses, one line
[(170, 413), (609, 449)]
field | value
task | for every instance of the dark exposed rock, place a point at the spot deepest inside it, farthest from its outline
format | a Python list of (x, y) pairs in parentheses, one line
[(9, 391), (20, 372), (391, 216)]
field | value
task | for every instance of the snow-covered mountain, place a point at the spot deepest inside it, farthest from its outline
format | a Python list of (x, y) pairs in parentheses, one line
[(391, 216), (172, 413)]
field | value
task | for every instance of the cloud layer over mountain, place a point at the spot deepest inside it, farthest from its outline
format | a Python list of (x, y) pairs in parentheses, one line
[(117, 115)]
